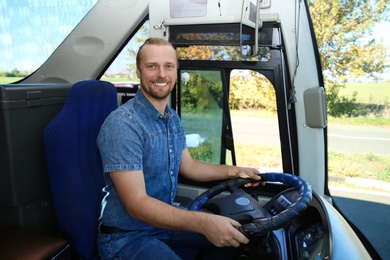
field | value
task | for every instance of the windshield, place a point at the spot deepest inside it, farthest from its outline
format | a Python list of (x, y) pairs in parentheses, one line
[(31, 30)]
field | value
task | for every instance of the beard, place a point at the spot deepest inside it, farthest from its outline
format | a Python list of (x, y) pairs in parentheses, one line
[(157, 92)]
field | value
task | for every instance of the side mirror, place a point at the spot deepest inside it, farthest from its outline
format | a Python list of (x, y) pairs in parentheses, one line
[(315, 107)]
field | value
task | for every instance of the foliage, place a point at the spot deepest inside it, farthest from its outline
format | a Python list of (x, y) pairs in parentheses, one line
[(194, 94), (198, 52), (339, 106), (203, 152), (14, 73), (227, 53), (253, 91), (248, 90), (346, 45), (344, 36)]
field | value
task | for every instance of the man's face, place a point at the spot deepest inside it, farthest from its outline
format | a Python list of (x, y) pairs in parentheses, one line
[(157, 71)]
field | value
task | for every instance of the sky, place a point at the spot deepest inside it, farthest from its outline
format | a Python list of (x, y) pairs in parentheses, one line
[(381, 31)]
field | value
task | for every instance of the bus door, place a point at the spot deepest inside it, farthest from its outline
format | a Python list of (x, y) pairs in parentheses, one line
[(237, 113)]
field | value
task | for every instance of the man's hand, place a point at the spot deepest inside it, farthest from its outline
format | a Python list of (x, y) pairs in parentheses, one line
[(220, 231), (245, 172)]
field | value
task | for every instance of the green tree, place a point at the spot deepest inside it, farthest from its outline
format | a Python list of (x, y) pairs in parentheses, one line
[(251, 90), (347, 48), (201, 91)]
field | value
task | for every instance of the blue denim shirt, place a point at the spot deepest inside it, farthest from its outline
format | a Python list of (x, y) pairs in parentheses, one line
[(136, 137)]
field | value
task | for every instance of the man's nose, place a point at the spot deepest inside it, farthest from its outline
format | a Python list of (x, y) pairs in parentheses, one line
[(161, 72)]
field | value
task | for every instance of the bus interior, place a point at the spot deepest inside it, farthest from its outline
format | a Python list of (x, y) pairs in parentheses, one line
[(267, 47)]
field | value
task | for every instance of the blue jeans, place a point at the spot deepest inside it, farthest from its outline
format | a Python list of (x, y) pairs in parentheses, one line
[(158, 244)]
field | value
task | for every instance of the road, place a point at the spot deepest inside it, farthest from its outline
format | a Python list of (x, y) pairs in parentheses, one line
[(359, 139), (261, 131), (369, 211), (356, 139)]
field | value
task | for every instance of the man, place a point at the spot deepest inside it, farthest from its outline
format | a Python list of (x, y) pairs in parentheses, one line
[(143, 148)]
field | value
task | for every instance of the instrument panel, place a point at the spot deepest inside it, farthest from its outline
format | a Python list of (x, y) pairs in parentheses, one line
[(307, 237)]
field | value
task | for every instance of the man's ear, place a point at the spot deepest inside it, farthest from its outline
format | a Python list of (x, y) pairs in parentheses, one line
[(138, 73)]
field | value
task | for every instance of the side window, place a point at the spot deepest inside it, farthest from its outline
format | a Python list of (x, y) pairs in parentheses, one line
[(122, 71), (30, 31), (254, 119), (201, 113)]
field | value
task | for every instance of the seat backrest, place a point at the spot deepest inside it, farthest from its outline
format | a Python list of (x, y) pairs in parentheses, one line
[(74, 163)]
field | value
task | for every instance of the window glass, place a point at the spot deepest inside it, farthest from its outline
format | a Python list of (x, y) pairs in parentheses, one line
[(123, 68), (31, 30), (201, 113), (122, 71), (255, 126)]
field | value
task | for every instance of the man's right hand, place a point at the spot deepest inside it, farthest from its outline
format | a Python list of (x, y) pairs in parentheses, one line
[(221, 231)]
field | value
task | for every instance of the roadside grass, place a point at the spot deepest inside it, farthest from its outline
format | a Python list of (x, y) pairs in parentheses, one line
[(359, 165), (340, 164), (363, 121), (255, 155), (8, 80), (369, 93)]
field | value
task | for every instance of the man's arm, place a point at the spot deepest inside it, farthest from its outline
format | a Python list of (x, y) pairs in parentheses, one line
[(201, 171), (218, 230)]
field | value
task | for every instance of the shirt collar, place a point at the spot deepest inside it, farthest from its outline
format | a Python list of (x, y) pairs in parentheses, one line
[(149, 108)]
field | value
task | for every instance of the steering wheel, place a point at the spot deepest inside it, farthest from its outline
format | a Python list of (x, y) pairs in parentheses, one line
[(245, 209)]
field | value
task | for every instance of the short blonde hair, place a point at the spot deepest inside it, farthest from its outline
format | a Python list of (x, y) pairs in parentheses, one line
[(153, 41)]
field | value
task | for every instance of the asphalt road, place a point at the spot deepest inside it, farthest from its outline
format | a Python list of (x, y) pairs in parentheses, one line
[(261, 131), (369, 211), (356, 139), (359, 139)]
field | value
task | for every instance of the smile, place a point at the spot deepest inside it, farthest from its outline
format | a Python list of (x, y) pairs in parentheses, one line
[(162, 84)]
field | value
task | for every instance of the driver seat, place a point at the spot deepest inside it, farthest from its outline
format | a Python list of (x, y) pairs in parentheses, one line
[(74, 163)]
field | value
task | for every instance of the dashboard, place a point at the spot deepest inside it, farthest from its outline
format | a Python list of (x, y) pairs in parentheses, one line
[(307, 237), (320, 232)]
